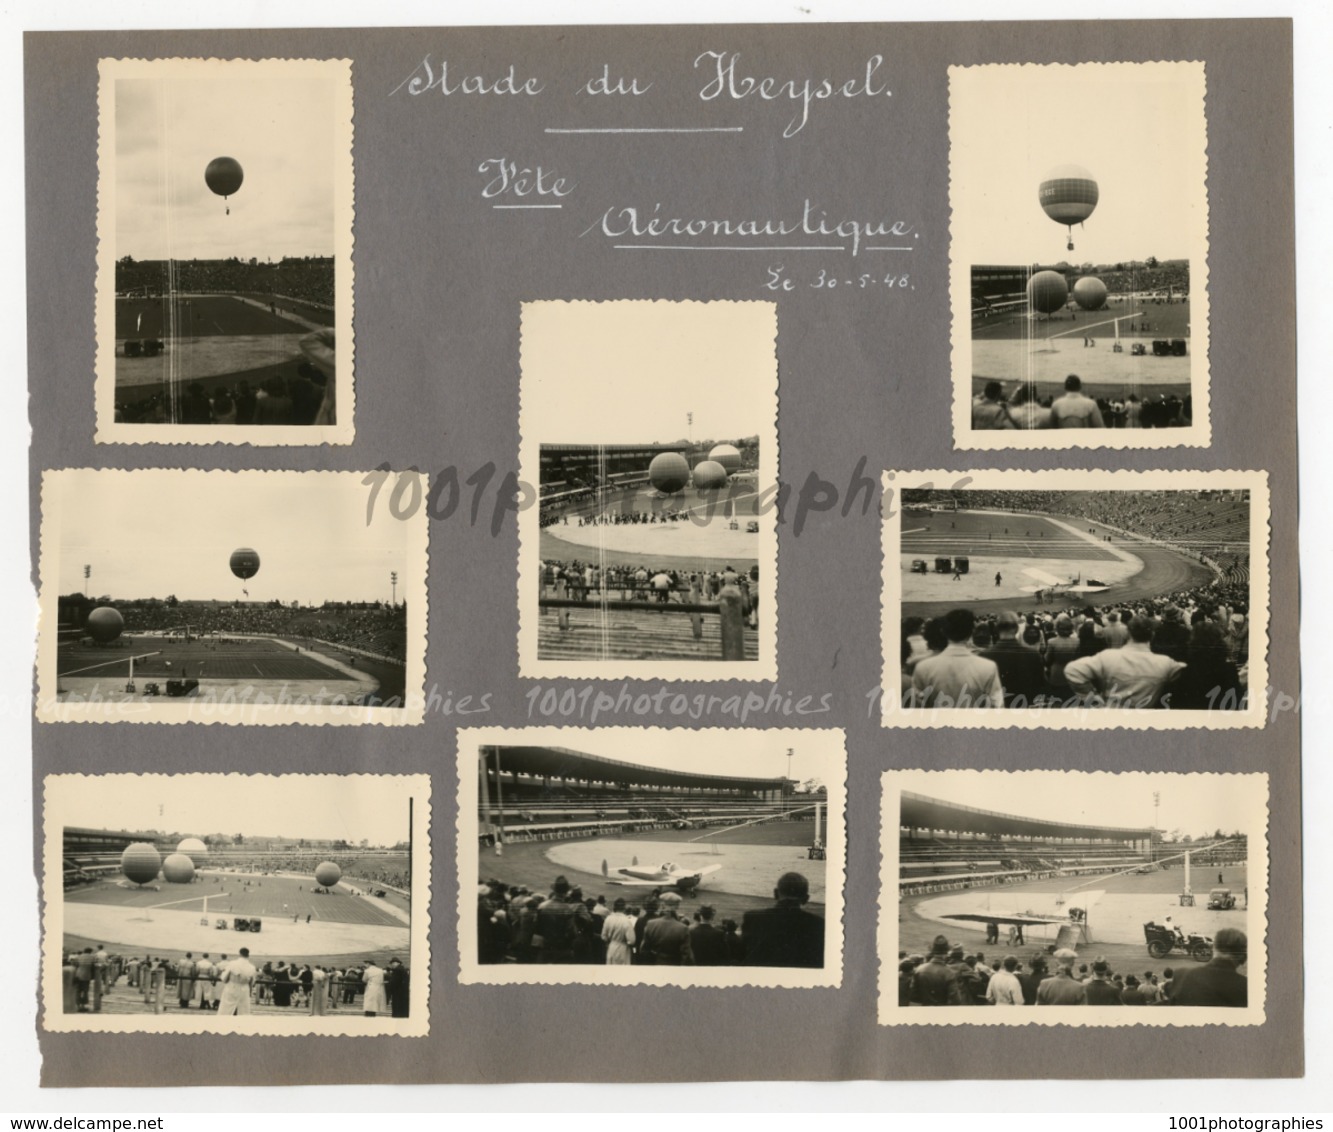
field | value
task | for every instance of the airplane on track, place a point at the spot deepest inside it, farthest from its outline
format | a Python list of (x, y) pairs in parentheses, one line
[(667, 875), (1051, 585)]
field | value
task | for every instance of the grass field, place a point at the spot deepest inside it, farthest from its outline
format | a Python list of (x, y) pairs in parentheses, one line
[(230, 895), (260, 659), (993, 533), (203, 316), (1164, 321)]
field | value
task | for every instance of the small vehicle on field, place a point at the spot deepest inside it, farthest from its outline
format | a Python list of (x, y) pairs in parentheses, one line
[(1221, 900), (1166, 938)]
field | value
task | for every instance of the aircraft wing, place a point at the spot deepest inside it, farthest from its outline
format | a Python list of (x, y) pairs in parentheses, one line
[(1042, 576), (1028, 920)]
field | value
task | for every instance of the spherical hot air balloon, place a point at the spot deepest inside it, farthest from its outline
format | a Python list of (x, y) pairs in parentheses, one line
[(178, 869), (709, 475), (224, 176), (328, 874), (1068, 195), (1047, 292), (140, 862), (193, 848), (1090, 293), (727, 455), (104, 624), (668, 472), (244, 563)]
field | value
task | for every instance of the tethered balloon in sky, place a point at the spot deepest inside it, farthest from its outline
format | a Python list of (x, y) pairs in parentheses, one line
[(224, 176), (1068, 195)]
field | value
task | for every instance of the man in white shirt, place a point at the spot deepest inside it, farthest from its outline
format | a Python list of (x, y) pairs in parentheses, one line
[(238, 977), (1132, 676), (957, 677), (1004, 988), (1075, 409)]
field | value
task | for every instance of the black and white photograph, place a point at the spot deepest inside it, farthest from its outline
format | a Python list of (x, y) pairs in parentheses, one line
[(1076, 599), (1079, 241), (650, 429), (668, 857), (1065, 889), (224, 264), (228, 597), (291, 904)]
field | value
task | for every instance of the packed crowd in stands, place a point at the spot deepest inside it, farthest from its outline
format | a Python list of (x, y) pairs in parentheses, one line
[(309, 279), (1025, 408), (190, 983), (301, 397), (951, 976), (517, 925), (1185, 651)]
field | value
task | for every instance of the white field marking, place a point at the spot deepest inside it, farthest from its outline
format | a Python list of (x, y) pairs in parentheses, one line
[(1093, 325), (188, 900), (915, 530), (105, 663)]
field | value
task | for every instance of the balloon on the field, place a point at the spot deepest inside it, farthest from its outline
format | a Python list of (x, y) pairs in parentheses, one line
[(104, 624), (178, 869), (1047, 292), (244, 563), (224, 176), (728, 455), (1068, 194), (328, 874), (193, 848), (709, 475), (1090, 293), (668, 472), (140, 862)]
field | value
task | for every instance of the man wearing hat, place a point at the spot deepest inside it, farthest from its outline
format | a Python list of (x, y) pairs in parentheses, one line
[(667, 938), (560, 920), (1022, 673), (935, 983), (1099, 990), (1218, 982), (1062, 989)]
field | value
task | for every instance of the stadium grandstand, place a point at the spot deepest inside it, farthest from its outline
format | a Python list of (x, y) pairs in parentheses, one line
[(944, 847)]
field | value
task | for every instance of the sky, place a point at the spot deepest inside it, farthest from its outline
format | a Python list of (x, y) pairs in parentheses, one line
[(316, 807), (154, 533), (1197, 804), (758, 753), (1142, 141), (628, 372), (280, 129)]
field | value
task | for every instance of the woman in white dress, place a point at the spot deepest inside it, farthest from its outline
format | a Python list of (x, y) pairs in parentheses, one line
[(375, 1001), (618, 932)]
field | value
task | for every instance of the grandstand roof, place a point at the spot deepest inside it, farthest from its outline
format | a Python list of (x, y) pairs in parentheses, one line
[(921, 812), (560, 762)]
